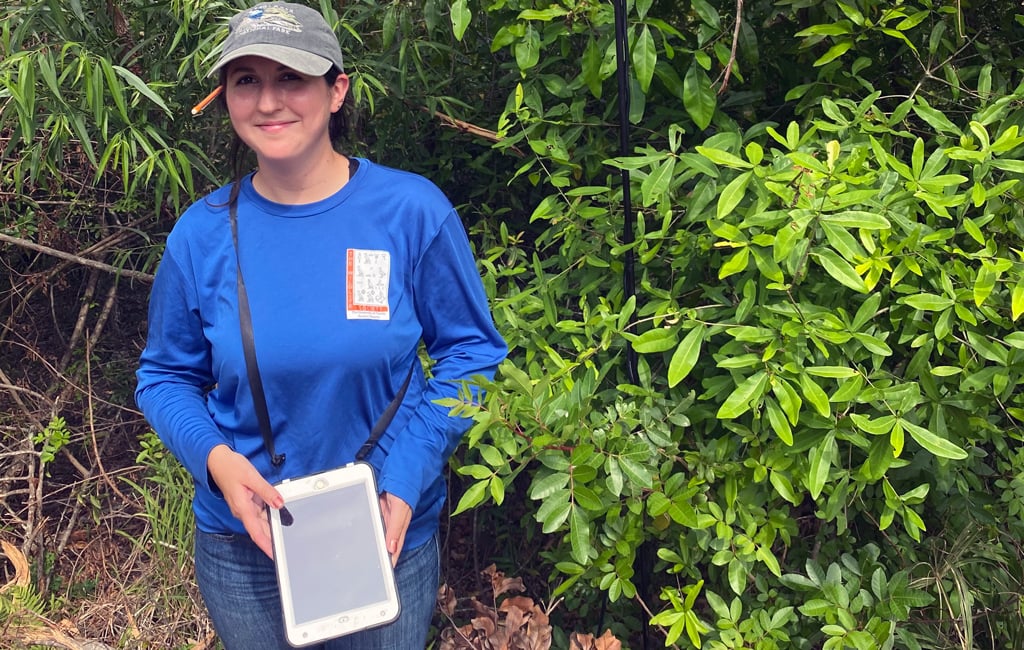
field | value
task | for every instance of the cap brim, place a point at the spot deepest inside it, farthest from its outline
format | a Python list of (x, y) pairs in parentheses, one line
[(298, 60)]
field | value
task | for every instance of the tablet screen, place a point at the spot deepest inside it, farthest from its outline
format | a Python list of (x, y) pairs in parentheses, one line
[(332, 556)]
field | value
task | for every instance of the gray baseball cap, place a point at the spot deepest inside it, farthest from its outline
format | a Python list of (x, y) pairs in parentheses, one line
[(289, 33)]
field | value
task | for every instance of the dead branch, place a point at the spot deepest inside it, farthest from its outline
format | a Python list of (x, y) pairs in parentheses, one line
[(467, 127), (735, 44), (78, 259)]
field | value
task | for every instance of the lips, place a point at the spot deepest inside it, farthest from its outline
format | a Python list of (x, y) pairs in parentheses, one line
[(273, 126)]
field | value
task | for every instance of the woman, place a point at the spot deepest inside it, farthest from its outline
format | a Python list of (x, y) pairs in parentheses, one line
[(349, 266)]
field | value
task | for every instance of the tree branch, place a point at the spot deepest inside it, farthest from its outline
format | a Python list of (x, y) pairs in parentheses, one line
[(735, 44), (84, 261)]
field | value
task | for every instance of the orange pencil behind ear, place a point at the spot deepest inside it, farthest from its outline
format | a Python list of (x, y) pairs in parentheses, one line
[(201, 106)]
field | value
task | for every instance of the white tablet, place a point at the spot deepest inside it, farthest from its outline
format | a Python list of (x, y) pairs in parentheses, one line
[(332, 563)]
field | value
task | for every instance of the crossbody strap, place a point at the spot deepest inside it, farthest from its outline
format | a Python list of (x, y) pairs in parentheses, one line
[(256, 382)]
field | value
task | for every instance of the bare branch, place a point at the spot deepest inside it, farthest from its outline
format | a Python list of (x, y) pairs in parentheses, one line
[(84, 261), (735, 44)]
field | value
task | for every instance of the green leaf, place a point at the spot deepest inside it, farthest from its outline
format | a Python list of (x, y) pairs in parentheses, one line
[(741, 399), (587, 499), (527, 49), (826, 29), (876, 427), (708, 14), (935, 118), (138, 84), (724, 158), (655, 340), (461, 15), (879, 459), (857, 219), (732, 194), (789, 400), (820, 458), (1015, 166), (550, 484), (638, 474), (764, 553), (866, 311), (927, 302), (832, 372), (699, 98), (545, 15), (554, 511), (737, 576), (737, 263), (614, 482), (473, 496), (777, 420), (783, 486), (686, 355), (936, 445), (984, 284), (579, 535), (645, 57), (479, 472), (497, 490), (840, 269), (815, 395), (656, 185), (834, 52)]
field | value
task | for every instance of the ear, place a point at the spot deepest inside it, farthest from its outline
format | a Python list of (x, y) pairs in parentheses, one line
[(338, 92)]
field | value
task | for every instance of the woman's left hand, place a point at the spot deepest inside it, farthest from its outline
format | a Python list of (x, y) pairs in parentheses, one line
[(397, 515)]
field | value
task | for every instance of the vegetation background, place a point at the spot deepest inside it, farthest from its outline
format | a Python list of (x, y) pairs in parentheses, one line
[(766, 398)]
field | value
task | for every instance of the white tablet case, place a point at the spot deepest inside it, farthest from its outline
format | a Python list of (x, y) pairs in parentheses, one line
[(332, 563)]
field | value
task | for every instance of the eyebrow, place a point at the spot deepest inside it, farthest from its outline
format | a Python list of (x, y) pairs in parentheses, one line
[(248, 68)]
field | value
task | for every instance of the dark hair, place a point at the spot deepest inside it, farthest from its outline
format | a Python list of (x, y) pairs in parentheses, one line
[(337, 130)]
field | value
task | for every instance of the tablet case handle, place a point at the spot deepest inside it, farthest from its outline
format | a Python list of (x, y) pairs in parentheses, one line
[(256, 382)]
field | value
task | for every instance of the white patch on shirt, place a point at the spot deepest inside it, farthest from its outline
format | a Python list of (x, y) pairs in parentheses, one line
[(367, 277)]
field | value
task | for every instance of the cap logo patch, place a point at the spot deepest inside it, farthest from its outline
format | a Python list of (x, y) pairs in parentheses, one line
[(276, 19)]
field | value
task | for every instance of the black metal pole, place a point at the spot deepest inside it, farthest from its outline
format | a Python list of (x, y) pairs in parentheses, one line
[(628, 236), (644, 562)]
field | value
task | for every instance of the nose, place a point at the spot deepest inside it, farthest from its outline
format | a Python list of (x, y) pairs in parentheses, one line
[(269, 99)]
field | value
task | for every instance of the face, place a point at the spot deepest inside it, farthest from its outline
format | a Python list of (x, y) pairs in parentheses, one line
[(281, 114)]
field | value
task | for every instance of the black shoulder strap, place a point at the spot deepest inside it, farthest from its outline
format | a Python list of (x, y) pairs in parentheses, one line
[(256, 382)]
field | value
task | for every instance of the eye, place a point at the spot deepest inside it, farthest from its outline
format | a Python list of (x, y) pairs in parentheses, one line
[(244, 80)]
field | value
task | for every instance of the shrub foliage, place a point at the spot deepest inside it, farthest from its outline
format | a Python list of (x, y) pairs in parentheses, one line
[(771, 392)]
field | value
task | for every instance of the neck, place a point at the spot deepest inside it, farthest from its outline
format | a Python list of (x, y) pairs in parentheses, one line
[(293, 184)]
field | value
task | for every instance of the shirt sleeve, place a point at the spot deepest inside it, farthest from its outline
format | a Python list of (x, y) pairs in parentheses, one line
[(460, 337), (175, 368)]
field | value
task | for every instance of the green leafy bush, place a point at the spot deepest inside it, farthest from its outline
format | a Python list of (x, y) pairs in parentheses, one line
[(827, 389)]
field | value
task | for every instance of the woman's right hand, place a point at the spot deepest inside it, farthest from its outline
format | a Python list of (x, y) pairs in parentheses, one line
[(246, 493)]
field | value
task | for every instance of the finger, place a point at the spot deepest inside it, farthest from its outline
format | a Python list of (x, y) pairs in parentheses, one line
[(396, 525), (267, 493), (257, 525)]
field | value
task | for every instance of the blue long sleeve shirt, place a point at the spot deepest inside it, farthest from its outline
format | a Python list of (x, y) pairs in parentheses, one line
[(342, 292)]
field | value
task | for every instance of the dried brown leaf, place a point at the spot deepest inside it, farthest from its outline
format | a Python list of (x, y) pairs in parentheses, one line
[(515, 618), (500, 584), (485, 625), (518, 602), (608, 642), (446, 600), (484, 611), (22, 577)]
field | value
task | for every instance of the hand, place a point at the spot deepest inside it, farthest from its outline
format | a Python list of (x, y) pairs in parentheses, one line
[(397, 515), (246, 492)]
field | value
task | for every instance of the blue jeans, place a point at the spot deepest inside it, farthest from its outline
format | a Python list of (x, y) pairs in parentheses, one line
[(240, 590)]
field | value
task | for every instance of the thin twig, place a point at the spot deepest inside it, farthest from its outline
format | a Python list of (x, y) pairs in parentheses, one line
[(735, 43), (92, 424)]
